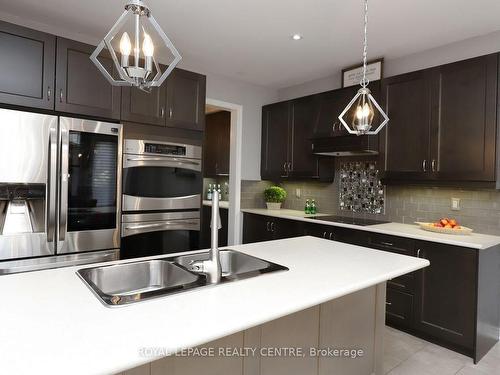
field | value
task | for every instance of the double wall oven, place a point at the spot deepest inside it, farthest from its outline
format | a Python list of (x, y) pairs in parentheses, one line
[(59, 191), (161, 198)]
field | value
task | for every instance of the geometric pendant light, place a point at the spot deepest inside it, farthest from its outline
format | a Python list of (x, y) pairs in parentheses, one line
[(358, 117), (140, 43)]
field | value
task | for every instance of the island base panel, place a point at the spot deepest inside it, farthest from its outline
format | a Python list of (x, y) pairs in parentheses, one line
[(354, 322)]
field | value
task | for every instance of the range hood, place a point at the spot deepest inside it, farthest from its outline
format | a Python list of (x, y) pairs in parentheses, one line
[(347, 145)]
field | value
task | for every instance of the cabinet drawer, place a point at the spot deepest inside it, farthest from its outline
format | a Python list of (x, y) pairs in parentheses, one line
[(405, 283), (399, 308), (400, 245)]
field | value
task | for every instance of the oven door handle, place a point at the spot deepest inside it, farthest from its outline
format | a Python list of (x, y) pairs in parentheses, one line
[(131, 229), (144, 161)]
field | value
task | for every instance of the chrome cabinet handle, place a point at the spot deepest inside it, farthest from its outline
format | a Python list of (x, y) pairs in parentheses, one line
[(388, 303), (162, 112), (424, 165), (284, 166), (386, 243), (418, 253), (324, 235), (433, 165), (335, 126), (289, 167), (330, 236), (61, 95), (49, 93), (267, 226), (170, 113), (272, 226)]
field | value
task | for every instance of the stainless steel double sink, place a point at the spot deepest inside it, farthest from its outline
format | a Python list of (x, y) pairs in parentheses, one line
[(126, 283)]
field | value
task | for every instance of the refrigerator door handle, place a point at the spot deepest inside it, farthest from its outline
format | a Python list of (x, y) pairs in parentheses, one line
[(52, 184), (63, 187)]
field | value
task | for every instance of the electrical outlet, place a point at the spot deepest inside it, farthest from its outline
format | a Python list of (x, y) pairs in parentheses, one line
[(455, 204), (298, 193)]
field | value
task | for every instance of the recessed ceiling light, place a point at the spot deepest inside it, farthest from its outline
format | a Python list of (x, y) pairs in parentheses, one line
[(297, 37)]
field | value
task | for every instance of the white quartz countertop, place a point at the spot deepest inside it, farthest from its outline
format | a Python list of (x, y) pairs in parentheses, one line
[(53, 324), (222, 204), (474, 240)]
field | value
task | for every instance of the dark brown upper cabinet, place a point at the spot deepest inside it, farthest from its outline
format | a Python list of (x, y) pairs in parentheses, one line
[(442, 127), (27, 58), (275, 140), (81, 88), (467, 120), (302, 162), (408, 103), (186, 100), (216, 148), (330, 105), (143, 107), (287, 132)]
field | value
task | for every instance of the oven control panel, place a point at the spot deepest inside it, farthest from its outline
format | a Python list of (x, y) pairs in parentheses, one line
[(164, 149)]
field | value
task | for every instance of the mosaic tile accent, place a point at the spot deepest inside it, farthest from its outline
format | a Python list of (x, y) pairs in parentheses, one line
[(360, 188)]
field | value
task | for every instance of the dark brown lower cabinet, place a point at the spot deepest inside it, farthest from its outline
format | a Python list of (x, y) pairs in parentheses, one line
[(398, 308), (258, 228), (446, 293), (454, 302)]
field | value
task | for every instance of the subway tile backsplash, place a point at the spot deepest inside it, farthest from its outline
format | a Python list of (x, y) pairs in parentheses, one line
[(480, 209)]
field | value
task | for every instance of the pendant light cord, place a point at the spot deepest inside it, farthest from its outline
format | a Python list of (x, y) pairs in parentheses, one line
[(364, 81)]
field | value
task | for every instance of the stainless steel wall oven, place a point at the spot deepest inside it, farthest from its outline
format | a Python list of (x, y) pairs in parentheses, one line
[(162, 186)]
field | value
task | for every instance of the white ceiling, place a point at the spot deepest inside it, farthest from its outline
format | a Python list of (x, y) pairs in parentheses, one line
[(250, 39)]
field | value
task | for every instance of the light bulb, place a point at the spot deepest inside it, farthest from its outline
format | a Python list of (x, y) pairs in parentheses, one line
[(363, 116), (147, 46), (125, 45)]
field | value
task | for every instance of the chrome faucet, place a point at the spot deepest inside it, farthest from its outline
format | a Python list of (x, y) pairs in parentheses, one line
[(212, 267)]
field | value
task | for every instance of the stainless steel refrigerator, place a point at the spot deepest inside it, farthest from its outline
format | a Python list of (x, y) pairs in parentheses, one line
[(59, 191)]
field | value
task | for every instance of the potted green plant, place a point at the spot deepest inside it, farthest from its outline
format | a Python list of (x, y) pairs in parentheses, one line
[(274, 196)]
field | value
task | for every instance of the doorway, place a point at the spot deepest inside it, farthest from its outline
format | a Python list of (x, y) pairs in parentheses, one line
[(222, 162)]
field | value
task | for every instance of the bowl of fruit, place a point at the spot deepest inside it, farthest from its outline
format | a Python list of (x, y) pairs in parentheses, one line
[(445, 225)]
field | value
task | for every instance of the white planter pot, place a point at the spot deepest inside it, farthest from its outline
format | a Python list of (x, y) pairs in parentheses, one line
[(273, 206)]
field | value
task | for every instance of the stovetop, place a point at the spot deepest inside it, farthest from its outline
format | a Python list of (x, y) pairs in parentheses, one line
[(349, 220)]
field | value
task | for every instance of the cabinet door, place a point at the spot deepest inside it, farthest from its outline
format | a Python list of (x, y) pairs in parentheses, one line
[(283, 228), (446, 294), (330, 106), (274, 155), (210, 146), (303, 163), (467, 120), (407, 100), (28, 67), (256, 228), (143, 107), (217, 144), (186, 100), (81, 87), (224, 147)]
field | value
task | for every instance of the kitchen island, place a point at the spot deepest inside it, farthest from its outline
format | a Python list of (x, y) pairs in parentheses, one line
[(332, 296)]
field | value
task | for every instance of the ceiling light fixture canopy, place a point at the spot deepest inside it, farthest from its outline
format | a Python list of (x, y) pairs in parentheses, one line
[(363, 108), (139, 62)]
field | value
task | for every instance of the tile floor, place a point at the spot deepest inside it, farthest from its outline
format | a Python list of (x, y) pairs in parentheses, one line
[(409, 355)]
